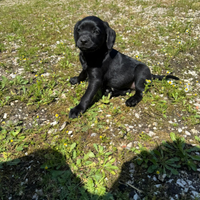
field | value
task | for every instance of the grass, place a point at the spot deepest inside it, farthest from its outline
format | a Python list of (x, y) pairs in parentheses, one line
[(85, 158)]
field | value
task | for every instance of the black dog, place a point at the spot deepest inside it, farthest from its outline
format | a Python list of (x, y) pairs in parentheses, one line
[(106, 68)]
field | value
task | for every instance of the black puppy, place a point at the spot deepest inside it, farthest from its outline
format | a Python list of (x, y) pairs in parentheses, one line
[(106, 68)]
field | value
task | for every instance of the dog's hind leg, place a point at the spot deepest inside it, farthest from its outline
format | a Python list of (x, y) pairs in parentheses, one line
[(132, 101), (142, 73)]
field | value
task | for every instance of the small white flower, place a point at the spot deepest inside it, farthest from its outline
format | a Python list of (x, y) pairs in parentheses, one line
[(170, 82), (186, 89), (187, 85)]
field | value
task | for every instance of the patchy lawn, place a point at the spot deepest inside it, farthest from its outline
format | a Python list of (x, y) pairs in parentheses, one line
[(150, 151)]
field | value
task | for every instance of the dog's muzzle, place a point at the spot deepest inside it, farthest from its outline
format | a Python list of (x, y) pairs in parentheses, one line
[(84, 42)]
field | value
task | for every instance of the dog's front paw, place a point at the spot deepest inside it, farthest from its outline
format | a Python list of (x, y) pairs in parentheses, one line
[(132, 101), (75, 112), (74, 80)]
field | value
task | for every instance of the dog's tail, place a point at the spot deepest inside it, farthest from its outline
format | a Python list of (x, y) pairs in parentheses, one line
[(160, 77)]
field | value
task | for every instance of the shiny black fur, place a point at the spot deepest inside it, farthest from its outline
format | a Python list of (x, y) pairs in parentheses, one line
[(105, 67)]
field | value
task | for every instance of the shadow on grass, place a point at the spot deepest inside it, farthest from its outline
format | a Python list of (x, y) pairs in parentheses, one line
[(140, 178), (29, 178)]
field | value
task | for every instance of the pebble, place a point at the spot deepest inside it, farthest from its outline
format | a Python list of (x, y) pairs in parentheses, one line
[(39, 192), (132, 166), (5, 115), (170, 180), (191, 187), (187, 133), (194, 131), (151, 133), (158, 185), (63, 96), (121, 133), (155, 123), (70, 132), (154, 178), (63, 126), (54, 123), (181, 182), (45, 74), (35, 196), (137, 115), (197, 105), (13, 75), (129, 182), (179, 130), (52, 131), (186, 189), (129, 145), (195, 194), (161, 177), (123, 145), (21, 70), (93, 134), (136, 197)]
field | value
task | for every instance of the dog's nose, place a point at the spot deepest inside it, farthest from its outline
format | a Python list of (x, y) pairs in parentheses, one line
[(83, 40)]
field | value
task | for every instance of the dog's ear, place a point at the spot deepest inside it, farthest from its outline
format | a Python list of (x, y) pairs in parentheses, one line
[(76, 32), (111, 35)]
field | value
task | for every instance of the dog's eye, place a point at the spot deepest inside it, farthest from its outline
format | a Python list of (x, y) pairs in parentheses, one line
[(96, 31), (78, 29)]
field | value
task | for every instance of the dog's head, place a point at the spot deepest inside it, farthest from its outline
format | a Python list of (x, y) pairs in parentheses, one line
[(91, 33)]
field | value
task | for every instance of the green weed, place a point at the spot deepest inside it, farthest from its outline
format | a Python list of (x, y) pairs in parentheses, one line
[(168, 157)]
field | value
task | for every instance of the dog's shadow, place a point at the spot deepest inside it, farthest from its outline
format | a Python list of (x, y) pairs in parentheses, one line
[(29, 178)]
